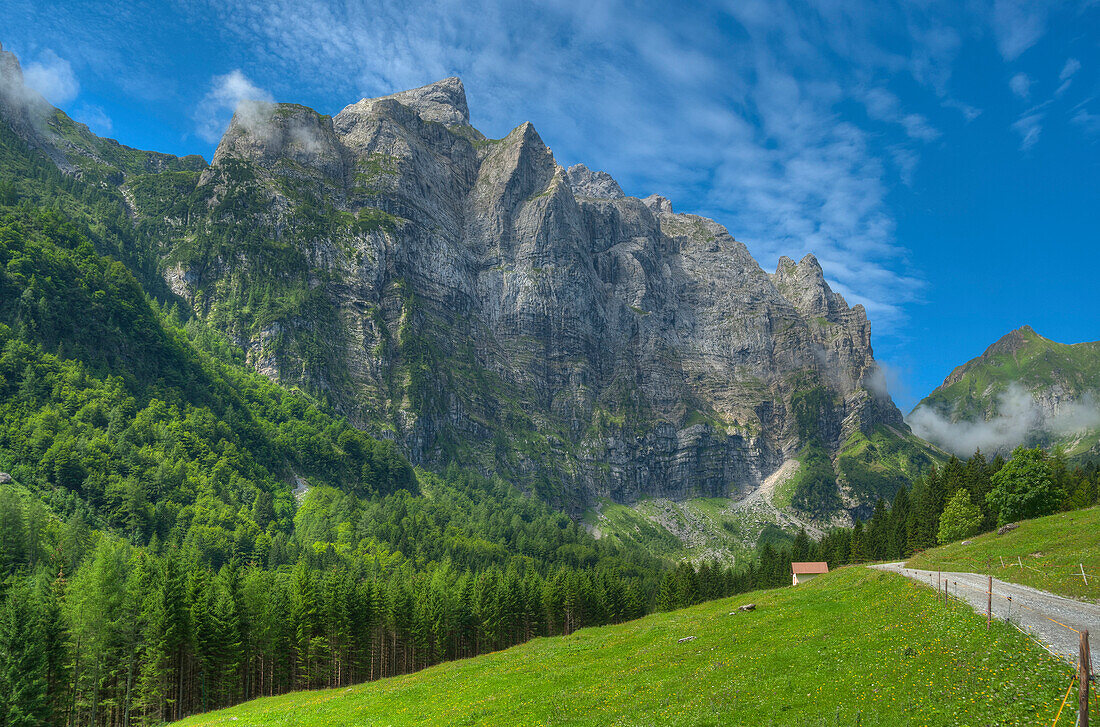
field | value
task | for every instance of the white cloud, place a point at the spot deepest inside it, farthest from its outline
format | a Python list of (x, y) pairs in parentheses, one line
[(1066, 76), (1018, 418), (53, 77), (1018, 25), (228, 94), (885, 106), (968, 112), (1020, 85), (1072, 66), (1089, 122), (1028, 126)]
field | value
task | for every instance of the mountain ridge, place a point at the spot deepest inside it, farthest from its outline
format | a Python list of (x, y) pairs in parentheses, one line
[(475, 300)]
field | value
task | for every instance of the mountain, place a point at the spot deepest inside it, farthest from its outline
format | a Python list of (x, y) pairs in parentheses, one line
[(1024, 390), (477, 302)]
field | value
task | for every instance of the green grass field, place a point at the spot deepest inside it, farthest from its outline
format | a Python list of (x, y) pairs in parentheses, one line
[(1044, 553), (854, 647)]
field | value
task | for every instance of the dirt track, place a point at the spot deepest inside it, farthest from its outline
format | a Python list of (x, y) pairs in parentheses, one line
[(1053, 620)]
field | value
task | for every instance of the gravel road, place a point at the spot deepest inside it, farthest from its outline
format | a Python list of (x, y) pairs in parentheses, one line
[(1043, 615)]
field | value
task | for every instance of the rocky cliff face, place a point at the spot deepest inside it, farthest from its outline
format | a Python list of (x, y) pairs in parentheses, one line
[(480, 303)]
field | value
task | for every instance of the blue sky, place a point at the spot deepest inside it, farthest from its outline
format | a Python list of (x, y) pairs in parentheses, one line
[(940, 158)]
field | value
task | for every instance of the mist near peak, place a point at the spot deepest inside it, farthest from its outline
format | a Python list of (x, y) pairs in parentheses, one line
[(1019, 419)]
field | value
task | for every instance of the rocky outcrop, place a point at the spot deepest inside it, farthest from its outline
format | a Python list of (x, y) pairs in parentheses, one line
[(587, 183)]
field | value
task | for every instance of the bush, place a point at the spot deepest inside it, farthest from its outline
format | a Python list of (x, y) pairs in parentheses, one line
[(1024, 487), (961, 518)]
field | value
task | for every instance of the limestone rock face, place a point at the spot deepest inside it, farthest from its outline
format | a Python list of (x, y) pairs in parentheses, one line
[(587, 183), (535, 320), (480, 303)]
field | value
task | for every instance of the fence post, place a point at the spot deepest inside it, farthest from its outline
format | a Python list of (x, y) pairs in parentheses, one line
[(989, 604), (1083, 670)]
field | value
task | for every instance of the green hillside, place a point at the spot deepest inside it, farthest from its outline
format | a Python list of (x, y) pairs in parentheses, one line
[(853, 647), (1046, 553), (997, 384)]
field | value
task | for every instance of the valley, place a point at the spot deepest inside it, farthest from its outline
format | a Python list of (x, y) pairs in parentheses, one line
[(368, 417)]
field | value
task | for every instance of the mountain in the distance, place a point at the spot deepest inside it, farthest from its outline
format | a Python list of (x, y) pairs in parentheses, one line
[(1024, 390), (478, 303)]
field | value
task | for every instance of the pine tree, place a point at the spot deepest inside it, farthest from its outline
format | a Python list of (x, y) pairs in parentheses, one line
[(24, 669)]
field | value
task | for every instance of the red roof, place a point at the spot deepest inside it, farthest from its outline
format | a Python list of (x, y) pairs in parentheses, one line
[(806, 568)]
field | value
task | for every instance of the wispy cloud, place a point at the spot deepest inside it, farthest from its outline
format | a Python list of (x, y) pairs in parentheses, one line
[(1020, 85), (1018, 24), (1018, 418), (1087, 121), (1072, 66), (1029, 126), (53, 77), (226, 94), (1066, 75)]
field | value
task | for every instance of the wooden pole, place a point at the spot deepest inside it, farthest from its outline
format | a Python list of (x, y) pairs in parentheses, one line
[(1083, 671), (989, 604)]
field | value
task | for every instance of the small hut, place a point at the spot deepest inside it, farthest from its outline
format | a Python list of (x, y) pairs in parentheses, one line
[(802, 572)]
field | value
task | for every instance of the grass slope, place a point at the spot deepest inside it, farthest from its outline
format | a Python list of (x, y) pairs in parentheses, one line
[(1045, 553), (879, 464), (853, 647)]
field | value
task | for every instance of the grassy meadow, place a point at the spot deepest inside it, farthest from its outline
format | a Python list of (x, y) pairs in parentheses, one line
[(1045, 553), (854, 647)]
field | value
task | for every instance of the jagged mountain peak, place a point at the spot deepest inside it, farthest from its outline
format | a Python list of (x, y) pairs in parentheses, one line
[(10, 70), (1013, 341), (808, 266), (803, 284), (23, 107), (588, 183), (658, 205), (443, 102), (268, 132)]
